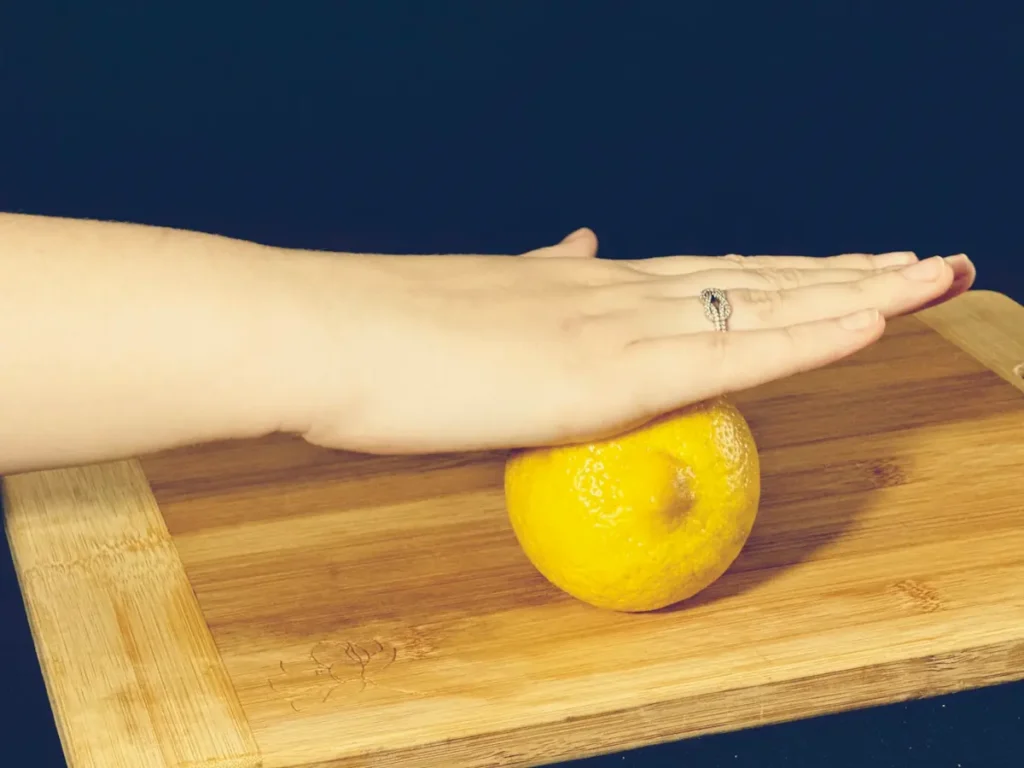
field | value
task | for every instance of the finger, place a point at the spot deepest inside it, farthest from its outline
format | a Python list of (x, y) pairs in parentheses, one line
[(892, 292), (963, 268), (662, 374), (681, 265), (964, 276), (581, 244), (679, 286)]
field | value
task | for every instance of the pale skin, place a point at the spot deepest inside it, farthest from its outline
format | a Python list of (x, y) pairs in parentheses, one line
[(118, 340)]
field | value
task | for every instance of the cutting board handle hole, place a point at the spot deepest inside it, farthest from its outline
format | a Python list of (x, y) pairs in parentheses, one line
[(1019, 371)]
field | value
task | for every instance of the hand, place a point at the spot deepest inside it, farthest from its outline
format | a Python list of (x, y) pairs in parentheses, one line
[(451, 353)]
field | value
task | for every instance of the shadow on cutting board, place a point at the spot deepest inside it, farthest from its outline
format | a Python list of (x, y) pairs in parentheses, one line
[(832, 456)]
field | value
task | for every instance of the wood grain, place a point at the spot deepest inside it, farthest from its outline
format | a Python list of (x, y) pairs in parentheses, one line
[(1000, 347), (378, 611), (130, 667)]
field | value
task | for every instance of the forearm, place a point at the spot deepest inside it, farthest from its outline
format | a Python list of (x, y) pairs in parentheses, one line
[(117, 340)]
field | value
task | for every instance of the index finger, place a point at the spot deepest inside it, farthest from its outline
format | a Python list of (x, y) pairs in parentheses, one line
[(683, 265)]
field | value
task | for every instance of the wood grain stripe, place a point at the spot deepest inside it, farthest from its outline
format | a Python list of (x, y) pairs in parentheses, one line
[(989, 326), (131, 669), (576, 738)]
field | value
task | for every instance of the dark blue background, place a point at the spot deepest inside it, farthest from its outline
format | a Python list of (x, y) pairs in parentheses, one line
[(499, 127)]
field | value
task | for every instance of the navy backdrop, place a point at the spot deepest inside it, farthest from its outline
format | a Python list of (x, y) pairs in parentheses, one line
[(498, 127)]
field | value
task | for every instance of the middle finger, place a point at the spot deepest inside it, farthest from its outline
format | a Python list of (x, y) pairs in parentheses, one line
[(762, 280), (682, 265)]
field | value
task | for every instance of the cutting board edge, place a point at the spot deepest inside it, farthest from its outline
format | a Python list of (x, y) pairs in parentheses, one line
[(34, 627), (707, 714), (137, 506), (987, 325)]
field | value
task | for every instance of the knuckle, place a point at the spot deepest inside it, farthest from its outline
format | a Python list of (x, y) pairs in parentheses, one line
[(737, 259), (764, 305), (863, 286), (785, 278), (716, 349), (789, 338), (720, 346), (573, 327), (858, 260), (855, 289)]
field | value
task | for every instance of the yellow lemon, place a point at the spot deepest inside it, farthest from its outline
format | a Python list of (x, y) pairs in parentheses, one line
[(645, 519)]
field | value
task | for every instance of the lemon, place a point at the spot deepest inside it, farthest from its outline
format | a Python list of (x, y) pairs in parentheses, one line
[(643, 520)]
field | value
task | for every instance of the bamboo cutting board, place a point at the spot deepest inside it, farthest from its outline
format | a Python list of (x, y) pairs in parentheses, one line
[(270, 603)]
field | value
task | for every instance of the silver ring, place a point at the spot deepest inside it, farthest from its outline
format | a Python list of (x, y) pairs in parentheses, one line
[(716, 307)]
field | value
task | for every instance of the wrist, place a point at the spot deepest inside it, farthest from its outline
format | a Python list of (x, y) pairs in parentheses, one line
[(301, 372)]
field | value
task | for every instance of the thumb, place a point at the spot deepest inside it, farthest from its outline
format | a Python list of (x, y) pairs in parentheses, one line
[(581, 244)]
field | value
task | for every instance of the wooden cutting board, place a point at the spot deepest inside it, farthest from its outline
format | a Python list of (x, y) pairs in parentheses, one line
[(270, 603)]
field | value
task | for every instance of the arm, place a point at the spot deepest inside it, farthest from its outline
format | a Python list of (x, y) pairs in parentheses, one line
[(118, 339)]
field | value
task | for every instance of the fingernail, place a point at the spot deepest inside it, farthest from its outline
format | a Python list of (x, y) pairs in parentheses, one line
[(896, 258), (858, 321), (924, 271), (960, 258)]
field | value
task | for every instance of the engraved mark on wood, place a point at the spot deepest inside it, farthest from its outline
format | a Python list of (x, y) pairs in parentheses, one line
[(921, 596), (331, 670), (1018, 371)]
